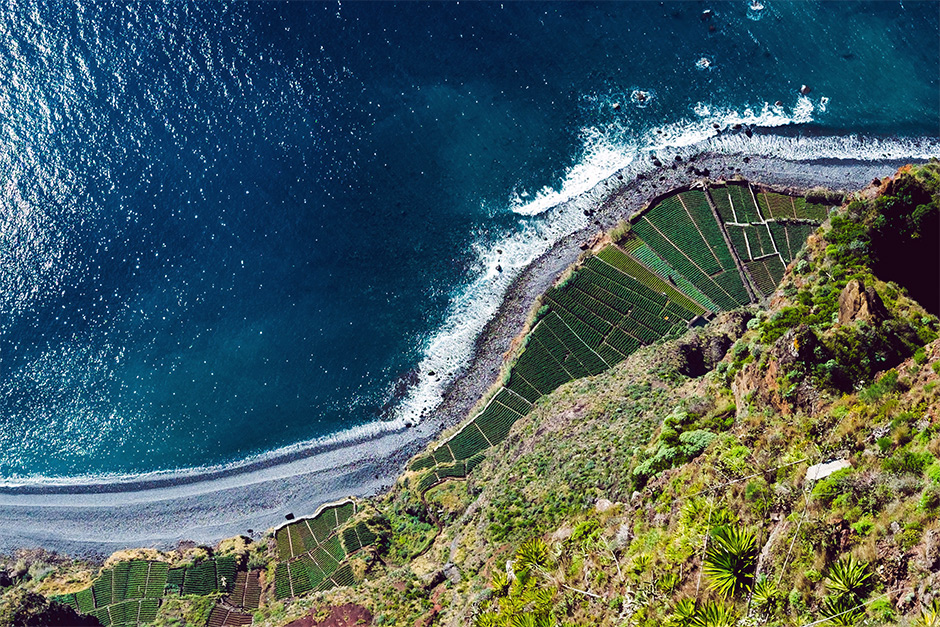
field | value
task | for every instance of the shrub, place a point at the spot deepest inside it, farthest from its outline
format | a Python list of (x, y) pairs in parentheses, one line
[(864, 526), (826, 490), (907, 461), (693, 443), (933, 472), (930, 499), (882, 611)]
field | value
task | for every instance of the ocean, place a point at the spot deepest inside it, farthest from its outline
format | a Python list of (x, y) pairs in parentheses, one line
[(230, 230)]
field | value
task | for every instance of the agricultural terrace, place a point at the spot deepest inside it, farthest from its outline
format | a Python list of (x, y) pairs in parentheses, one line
[(312, 551), (312, 555), (690, 255), (130, 593)]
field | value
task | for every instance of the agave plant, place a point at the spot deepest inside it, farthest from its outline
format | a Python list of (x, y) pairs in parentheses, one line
[(730, 560), (766, 594), (531, 555), (715, 614), (930, 616), (848, 577), (844, 610), (683, 614)]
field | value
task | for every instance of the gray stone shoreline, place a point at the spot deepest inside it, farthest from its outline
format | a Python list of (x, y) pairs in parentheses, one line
[(95, 520)]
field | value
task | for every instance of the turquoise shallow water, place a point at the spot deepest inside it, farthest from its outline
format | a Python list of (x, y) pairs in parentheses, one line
[(231, 228)]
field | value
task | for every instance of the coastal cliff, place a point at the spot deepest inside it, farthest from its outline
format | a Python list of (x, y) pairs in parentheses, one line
[(690, 484)]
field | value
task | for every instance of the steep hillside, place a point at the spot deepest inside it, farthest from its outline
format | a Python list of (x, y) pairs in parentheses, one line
[(778, 465), (651, 493)]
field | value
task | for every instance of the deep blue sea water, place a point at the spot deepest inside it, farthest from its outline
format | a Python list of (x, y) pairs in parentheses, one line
[(227, 229)]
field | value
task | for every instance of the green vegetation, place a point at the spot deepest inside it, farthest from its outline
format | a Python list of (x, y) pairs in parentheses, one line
[(730, 560), (313, 551)]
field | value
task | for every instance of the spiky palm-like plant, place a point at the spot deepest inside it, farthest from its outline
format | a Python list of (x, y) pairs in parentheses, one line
[(848, 577), (499, 582), (715, 614), (730, 560), (532, 555), (487, 620), (930, 616), (766, 594), (844, 610), (683, 613)]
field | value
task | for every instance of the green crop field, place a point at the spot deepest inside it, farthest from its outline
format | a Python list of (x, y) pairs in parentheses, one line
[(127, 593), (310, 550)]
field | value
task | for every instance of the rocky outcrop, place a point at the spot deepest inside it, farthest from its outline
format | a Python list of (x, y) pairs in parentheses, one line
[(856, 302), (761, 380), (694, 355)]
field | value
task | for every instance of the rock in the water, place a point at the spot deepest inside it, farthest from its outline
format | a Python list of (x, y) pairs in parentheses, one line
[(805, 89), (858, 303)]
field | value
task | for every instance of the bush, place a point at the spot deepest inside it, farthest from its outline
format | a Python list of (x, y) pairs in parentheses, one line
[(933, 471), (907, 461), (826, 490), (864, 525)]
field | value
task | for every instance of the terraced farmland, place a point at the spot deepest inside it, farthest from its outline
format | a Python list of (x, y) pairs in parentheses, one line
[(312, 551), (128, 593), (692, 254)]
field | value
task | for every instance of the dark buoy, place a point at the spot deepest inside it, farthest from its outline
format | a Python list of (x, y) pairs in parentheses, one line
[(805, 89)]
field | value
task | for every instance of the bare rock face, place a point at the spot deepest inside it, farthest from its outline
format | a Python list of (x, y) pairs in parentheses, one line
[(858, 303), (697, 354), (762, 382), (932, 549)]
